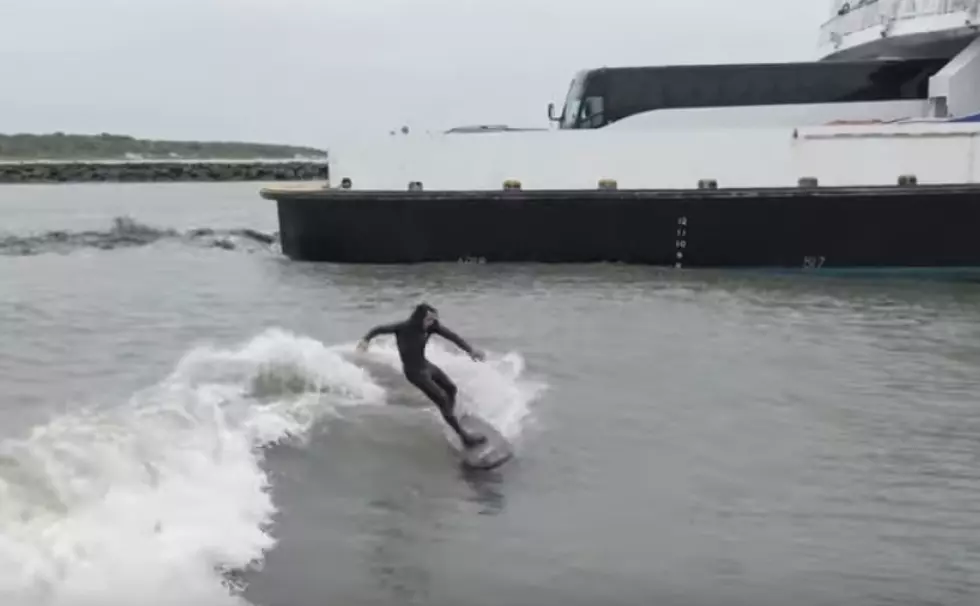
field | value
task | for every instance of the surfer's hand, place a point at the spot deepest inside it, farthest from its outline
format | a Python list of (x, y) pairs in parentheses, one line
[(362, 346), (477, 355)]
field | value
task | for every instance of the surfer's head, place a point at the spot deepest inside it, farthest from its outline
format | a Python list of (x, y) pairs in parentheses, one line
[(425, 315)]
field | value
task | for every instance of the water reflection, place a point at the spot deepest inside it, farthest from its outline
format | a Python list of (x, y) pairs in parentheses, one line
[(487, 486), (396, 554)]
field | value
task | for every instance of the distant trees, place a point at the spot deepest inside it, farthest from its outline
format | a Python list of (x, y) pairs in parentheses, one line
[(108, 146)]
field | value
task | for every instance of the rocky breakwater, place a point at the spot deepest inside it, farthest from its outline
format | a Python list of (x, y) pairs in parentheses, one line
[(163, 171)]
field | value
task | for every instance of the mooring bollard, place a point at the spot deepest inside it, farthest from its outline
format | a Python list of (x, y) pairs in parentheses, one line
[(707, 184), (907, 180)]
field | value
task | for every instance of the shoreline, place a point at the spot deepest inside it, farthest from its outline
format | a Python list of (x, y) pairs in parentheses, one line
[(156, 171)]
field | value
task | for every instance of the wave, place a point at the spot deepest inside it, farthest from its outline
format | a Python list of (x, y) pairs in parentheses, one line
[(126, 232), (165, 494)]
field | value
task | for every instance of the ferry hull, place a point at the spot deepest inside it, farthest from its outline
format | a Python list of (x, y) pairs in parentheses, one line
[(924, 226)]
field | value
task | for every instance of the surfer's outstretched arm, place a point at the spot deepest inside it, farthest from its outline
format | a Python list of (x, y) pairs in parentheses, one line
[(457, 340), (377, 331)]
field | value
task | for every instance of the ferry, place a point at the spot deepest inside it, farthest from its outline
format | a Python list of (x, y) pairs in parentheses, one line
[(864, 157)]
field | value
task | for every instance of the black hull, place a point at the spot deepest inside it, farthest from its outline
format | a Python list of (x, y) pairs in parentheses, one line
[(870, 227)]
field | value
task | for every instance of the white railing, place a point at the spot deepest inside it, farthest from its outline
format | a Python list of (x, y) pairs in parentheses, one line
[(871, 13)]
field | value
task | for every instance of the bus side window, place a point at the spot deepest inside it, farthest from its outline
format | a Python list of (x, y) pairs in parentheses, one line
[(592, 112)]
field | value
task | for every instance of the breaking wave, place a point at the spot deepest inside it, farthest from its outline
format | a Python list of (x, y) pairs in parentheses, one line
[(160, 497), (128, 233)]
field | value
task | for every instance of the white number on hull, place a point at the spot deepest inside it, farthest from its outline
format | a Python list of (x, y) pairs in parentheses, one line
[(681, 242), (813, 262)]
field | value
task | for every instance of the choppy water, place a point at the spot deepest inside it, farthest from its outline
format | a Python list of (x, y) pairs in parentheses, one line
[(183, 422)]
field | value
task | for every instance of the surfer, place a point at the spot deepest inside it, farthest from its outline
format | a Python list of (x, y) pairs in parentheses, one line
[(411, 336)]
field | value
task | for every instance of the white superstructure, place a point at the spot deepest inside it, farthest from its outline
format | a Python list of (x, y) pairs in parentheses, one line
[(914, 28), (898, 28), (837, 123)]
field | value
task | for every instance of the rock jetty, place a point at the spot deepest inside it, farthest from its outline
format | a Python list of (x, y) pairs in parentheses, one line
[(163, 171)]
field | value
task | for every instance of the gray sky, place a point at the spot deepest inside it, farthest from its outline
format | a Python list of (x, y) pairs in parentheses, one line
[(312, 71)]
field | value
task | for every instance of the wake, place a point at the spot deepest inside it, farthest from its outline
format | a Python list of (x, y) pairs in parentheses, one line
[(159, 495)]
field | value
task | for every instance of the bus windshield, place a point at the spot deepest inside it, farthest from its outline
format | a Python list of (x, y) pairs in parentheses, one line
[(573, 101)]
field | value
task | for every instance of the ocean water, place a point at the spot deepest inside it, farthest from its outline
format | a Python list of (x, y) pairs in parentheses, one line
[(184, 420)]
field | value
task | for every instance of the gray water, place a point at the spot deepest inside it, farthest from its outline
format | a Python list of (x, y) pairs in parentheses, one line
[(183, 421)]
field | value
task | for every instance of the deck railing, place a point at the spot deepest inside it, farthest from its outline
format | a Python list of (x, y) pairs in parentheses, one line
[(870, 13)]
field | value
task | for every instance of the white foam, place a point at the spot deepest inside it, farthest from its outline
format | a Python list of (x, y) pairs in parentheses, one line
[(147, 501), (142, 503), (494, 389)]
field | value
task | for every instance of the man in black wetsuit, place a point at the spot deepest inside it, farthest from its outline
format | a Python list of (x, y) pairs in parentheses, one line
[(412, 336)]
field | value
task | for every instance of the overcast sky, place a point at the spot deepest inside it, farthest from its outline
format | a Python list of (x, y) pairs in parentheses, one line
[(309, 71)]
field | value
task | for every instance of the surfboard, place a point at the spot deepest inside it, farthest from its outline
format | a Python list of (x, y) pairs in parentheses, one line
[(493, 453)]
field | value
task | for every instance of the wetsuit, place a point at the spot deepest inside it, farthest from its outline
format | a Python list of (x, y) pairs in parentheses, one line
[(411, 336)]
